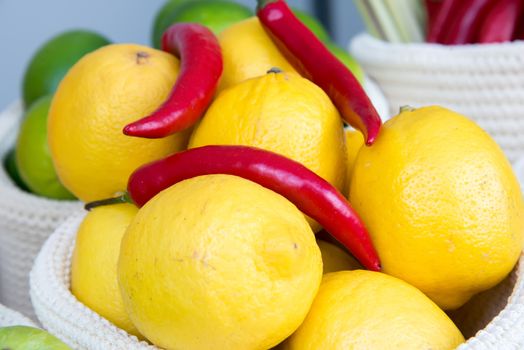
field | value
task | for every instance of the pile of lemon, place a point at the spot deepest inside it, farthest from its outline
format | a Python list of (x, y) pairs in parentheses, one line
[(221, 262)]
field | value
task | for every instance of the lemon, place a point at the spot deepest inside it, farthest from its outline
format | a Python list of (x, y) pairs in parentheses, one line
[(442, 204), (354, 142), (248, 52), (371, 310), (94, 263), (282, 113), (103, 92), (218, 262), (335, 259)]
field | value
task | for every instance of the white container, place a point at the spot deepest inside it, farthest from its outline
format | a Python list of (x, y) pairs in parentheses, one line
[(57, 308), (377, 98), (26, 221), (10, 317), (483, 82), (491, 320)]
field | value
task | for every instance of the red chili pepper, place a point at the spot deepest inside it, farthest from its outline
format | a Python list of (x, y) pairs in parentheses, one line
[(519, 31), (465, 21), (501, 22), (315, 62), (200, 71), (437, 11), (313, 195)]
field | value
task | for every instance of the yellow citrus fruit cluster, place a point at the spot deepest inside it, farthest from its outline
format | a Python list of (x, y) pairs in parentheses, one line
[(220, 261)]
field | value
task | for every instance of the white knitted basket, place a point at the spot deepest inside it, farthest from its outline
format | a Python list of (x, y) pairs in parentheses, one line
[(26, 221), (10, 317), (59, 311), (377, 98), (484, 82), (491, 320)]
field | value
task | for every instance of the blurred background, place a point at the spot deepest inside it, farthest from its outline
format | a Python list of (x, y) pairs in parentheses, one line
[(26, 24)]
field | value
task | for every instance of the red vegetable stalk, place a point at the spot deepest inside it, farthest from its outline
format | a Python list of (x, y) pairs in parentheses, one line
[(313, 195), (519, 31), (501, 22), (436, 11), (465, 22), (315, 62), (432, 10), (200, 71)]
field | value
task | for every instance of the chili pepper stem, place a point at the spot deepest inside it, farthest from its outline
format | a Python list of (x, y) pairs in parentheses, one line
[(123, 198), (262, 3)]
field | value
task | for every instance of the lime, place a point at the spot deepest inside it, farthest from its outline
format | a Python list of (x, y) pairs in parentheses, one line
[(29, 338), (12, 170), (32, 153), (215, 14), (313, 24), (163, 20), (52, 61), (348, 61)]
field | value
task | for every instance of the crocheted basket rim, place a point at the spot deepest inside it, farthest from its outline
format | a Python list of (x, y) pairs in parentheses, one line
[(58, 309), (9, 317), (469, 49)]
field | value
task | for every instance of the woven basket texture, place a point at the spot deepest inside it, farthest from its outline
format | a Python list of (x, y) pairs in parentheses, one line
[(59, 311), (10, 317), (484, 82), (26, 221), (491, 320)]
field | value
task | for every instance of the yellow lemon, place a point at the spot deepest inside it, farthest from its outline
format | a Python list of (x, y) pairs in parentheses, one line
[(101, 93), (354, 141), (371, 310), (442, 204), (283, 113), (94, 263), (218, 262), (335, 258), (248, 52)]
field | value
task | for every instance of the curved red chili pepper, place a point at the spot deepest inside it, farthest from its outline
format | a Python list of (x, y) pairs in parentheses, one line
[(501, 22), (313, 195), (315, 62), (464, 25), (200, 71)]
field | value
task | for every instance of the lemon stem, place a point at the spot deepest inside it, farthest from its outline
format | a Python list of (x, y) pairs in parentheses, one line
[(407, 108), (275, 70), (124, 198)]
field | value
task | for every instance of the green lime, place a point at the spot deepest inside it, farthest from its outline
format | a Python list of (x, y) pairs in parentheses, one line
[(163, 20), (348, 61), (32, 153), (12, 170), (29, 338), (313, 24), (215, 14), (52, 61)]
